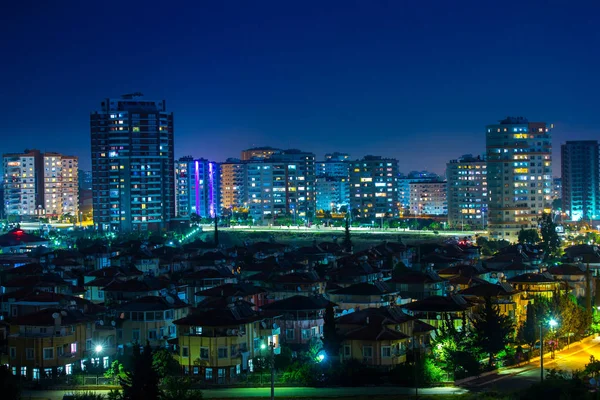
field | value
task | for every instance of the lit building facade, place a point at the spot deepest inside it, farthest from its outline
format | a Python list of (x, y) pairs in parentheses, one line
[(332, 193), (197, 188), (23, 184), (260, 153), (519, 175), (404, 187), (133, 166), (581, 179), (233, 184), (428, 198), (467, 192), (61, 185), (373, 187), (41, 184)]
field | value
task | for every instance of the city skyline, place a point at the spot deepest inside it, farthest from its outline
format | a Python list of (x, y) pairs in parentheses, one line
[(429, 80)]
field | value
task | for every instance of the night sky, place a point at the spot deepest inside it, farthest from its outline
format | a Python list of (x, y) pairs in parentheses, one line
[(415, 80)]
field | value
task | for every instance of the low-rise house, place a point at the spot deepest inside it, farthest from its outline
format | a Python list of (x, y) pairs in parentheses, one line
[(301, 320), (381, 337), (503, 295), (532, 284), (305, 282), (148, 319), (18, 241), (586, 254), (49, 343), (219, 344), (418, 285), (436, 309), (232, 292), (573, 275), (361, 296)]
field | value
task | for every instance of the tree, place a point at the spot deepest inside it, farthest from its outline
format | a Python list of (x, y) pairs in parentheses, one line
[(550, 238), (178, 388), (347, 243), (142, 381), (528, 236), (331, 339), (529, 330), (493, 330), (455, 351), (164, 364)]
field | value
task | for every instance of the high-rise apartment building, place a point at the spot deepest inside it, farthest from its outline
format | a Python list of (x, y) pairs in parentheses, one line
[(258, 153), (197, 186), (581, 179), (519, 175), (61, 183), (332, 183), (133, 167), (404, 187), (23, 184), (428, 198), (467, 192), (373, 187), (39, 184), (233, 184), (301, 194)]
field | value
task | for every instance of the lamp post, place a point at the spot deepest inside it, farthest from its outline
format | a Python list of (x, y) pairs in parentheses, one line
[(98, 349), (271, 365), (552, 324)]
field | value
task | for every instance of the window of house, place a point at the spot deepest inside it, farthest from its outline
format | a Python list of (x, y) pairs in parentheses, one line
[(169, 314), (36, 374), (135, 335), (222, 352), (29, 353), (204, 353), (305, 333), (59, 351), (88, 344), (367, 351), (238, 369), (152, 334), (347, 351), (185, 351), (48, 353), (289, 334), (208, 375), (195, 370), (386, 351), (73, 348), (13, 352), (23, 371), (172, 330)]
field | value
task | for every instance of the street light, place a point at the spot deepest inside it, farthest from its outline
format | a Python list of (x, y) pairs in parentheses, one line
[(553, 324), (98, 349), (263, 346)]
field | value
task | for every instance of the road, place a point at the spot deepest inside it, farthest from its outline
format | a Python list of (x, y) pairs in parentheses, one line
[(513, 379), (357, 230), (282, 393)]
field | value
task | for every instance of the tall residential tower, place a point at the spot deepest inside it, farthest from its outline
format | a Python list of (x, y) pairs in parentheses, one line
[(519, 175), (132, 164), (581, 179)]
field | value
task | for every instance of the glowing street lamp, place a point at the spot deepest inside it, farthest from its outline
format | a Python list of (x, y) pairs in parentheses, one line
[(553, 324), (98, 349)]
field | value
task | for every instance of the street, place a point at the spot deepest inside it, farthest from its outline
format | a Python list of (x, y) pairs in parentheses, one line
[(518, 378), (282, 393)]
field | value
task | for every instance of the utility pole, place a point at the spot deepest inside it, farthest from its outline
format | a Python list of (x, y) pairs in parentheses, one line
[(541, 352)]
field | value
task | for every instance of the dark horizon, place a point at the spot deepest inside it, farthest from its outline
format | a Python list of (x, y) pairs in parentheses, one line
[(416, 83)]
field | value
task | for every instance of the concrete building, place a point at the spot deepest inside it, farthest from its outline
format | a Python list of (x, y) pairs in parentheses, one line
[(61, 193), (404, 182), (332, 193), (373, 187), (428, 198), (197, 188), (519, 175), (581, 179), (23, 184), (133, 167), (467, 192), (260, 153), (38, 184), (556, 188), (233, 184)]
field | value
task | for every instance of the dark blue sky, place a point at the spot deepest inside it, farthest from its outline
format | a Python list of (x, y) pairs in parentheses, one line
[(415, 80)]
